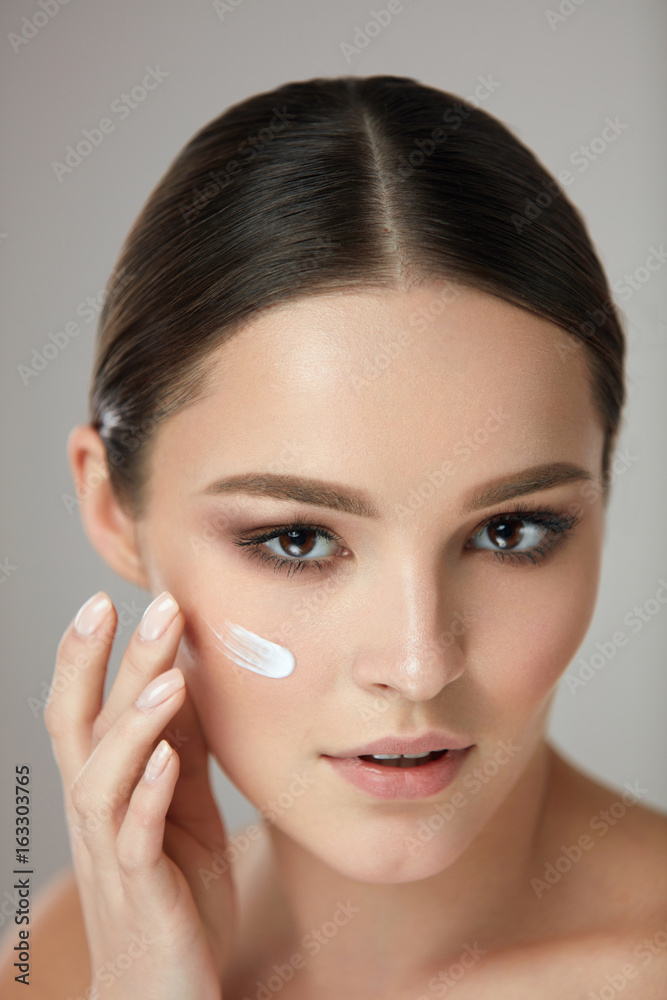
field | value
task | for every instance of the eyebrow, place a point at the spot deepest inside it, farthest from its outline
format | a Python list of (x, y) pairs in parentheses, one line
[(539, 477), (318, 493)]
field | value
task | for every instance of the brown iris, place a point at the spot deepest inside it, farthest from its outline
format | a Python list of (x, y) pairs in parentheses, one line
[(509, 536), (290, 542)]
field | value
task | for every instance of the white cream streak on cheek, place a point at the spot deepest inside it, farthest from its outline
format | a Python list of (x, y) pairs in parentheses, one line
[(249, 650)]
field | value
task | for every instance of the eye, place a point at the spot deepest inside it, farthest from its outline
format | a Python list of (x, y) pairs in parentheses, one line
[(306, 543), (524, 534), (294, 547), (521, 535), (512, 533)]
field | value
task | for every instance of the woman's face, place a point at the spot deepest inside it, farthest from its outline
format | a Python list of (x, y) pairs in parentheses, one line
[(409, 405)]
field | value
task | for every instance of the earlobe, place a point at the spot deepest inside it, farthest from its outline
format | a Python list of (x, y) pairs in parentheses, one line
[(110, 530)]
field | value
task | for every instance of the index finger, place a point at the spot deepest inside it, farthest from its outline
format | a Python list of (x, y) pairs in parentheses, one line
[(150, 650), (77, 686)]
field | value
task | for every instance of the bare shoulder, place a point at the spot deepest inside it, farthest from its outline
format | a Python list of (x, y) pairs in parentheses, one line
[(614, 844), (597, 920), (60, 966)]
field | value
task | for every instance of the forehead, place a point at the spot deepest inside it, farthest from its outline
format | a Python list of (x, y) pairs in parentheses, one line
[(379, 388)]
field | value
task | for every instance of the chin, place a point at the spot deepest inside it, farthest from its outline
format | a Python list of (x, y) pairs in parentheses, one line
[(401, 866), (387, 850), (407, 869)]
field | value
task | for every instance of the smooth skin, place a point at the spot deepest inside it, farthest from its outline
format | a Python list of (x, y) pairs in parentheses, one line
[(411, 622), (138, 900)]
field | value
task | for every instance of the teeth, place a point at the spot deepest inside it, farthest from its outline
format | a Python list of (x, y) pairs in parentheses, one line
[(395, 756)]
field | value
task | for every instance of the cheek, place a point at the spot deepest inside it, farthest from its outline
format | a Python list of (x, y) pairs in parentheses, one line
[(537, 630), (251, 700)]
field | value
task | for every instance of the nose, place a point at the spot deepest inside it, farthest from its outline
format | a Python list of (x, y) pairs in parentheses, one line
[(415, 638)]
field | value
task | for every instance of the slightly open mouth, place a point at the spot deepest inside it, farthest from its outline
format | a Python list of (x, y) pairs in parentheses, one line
[(401, 760)]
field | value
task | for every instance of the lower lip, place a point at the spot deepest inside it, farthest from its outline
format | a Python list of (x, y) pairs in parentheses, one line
[(386, 782)]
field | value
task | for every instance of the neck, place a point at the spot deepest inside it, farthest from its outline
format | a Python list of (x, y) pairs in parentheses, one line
[(408, 929)]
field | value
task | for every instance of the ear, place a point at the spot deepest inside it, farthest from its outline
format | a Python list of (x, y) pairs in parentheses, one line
[(112, 533)]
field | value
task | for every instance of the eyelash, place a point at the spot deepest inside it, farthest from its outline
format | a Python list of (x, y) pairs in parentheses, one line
[(279, 564), (557, 525)]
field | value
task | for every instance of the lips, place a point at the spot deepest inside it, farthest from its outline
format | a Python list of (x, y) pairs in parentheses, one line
[(428, 742), (406, 782)]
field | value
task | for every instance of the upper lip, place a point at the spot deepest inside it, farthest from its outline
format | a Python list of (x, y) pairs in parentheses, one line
[(434, 739)]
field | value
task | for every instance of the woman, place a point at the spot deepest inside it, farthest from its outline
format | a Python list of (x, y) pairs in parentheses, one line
[(358, 383)]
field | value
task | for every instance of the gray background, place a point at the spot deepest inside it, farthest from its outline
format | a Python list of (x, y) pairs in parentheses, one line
[(59, 241)]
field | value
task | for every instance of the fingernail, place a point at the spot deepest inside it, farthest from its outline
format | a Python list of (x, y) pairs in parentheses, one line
[(157, 616), (91, 614), (160, 689), (158, 761)]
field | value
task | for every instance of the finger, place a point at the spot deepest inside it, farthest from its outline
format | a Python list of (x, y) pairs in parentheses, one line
[(77, 687), (152, 647), (209, 877), (151, 879), (193, 807), (101, 791), (147, 876)]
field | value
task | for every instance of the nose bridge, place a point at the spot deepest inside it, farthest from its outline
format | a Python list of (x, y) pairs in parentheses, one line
[(418, 603), (404, 646)]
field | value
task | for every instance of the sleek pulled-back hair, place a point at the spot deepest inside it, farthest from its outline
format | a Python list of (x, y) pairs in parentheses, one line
[(329, 184)]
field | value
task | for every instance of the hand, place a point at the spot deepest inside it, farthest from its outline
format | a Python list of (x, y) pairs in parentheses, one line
[(139, 831)]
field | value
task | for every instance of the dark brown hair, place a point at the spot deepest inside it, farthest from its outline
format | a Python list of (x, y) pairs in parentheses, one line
[(334, 183)]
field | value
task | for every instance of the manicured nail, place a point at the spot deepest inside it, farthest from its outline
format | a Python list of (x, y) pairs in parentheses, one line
[(157, 616), (158, 761), (91, 614), (160, 689)]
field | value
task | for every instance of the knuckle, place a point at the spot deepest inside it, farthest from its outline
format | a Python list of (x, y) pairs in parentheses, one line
[(94, 809), (67, 671), (128, 858), (101, 725), (81, 796), (56, 721), (130, 727), (134, 663)]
